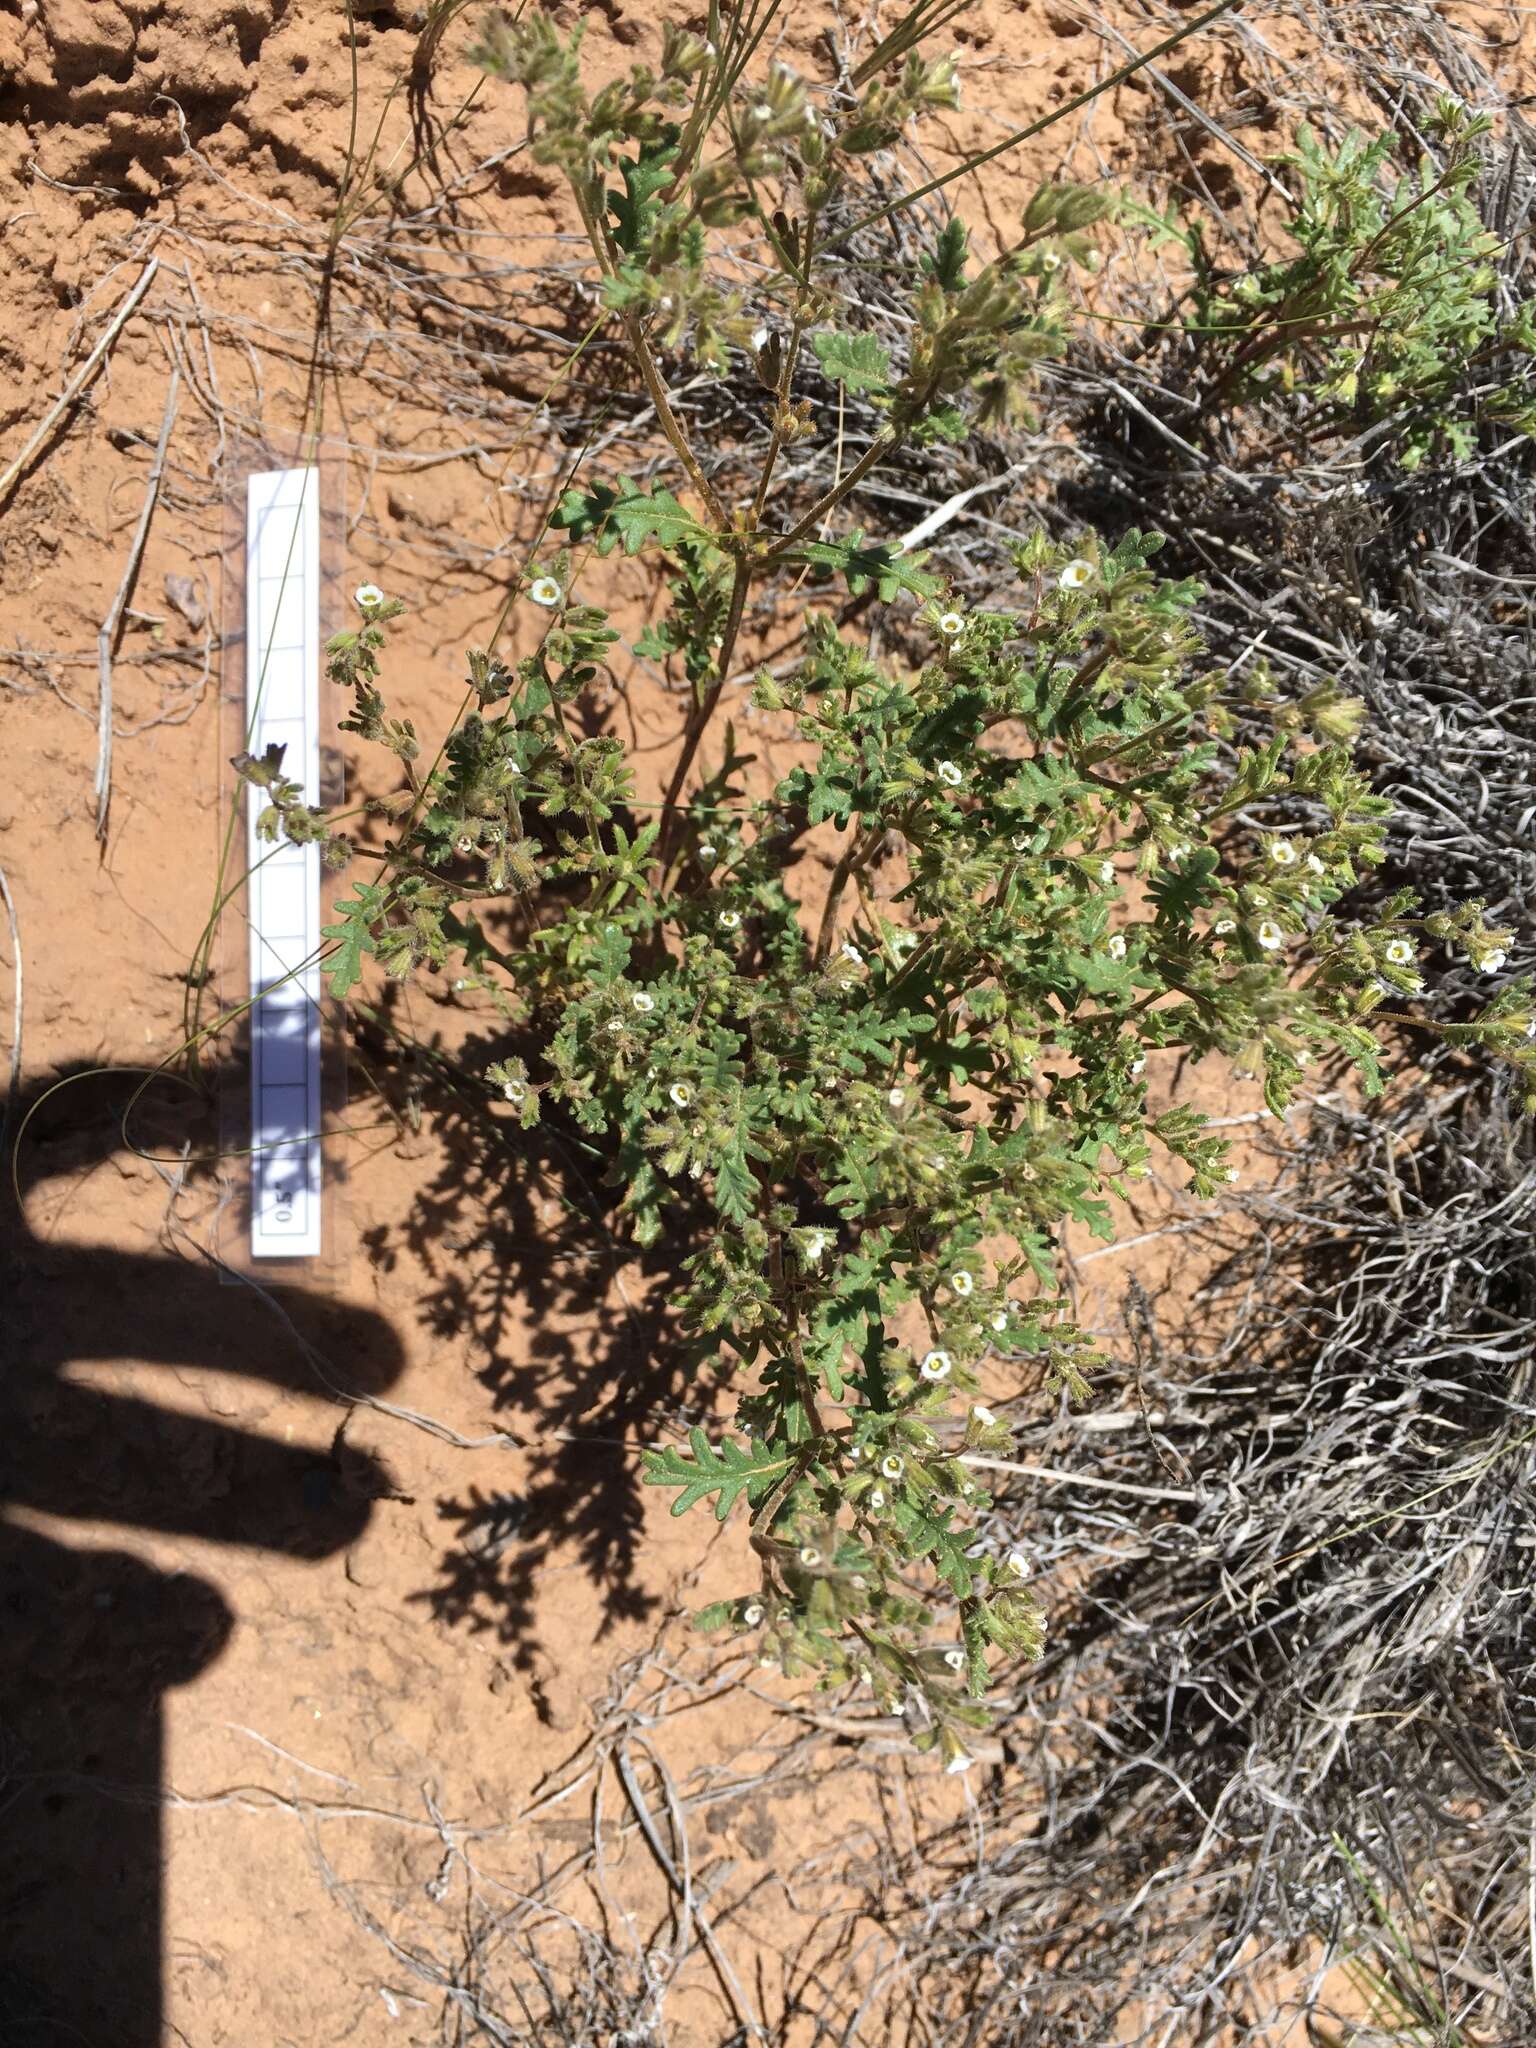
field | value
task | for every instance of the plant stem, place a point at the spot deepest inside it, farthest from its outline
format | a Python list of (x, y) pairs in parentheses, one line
[(885, 443), (703, 712), (656, 391)]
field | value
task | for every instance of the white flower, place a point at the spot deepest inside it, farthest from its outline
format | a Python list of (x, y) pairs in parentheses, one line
[(1258, 899), (1107, 873), (952, 625), (759, 337), (1223, 926), (984, 1416), (514, 1091), (955, 1659), (762, 111), (891, 1466), (1282, 853), (876, 1497), (897, 1097), (1115, 946), (615, 1025), (728, 920), (934, 1367), (1269, 935), (1017, 1563), (681, 1094), (1180, 851), (1000, 1319), (752, 1614), (961, 1281), (1050, 260), (1399, 952), (643, 1003), (464, 844), (950, 774), (1317, 865), (809, 1556), (959, 1763), (1530, 1027), (815, 1245), (367, 597), (852, 953), (1075, 575), (1138, 1065), (706, 849), (1491, 961), (546, 591), (1231, 1174)]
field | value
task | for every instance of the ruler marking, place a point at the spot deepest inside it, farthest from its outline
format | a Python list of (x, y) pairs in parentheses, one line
[(282, 706)]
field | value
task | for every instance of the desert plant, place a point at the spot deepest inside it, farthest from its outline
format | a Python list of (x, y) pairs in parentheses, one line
[(1388, 303), (862, 1105)]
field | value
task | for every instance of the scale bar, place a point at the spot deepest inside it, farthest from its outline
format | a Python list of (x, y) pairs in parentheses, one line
[(282, 704)]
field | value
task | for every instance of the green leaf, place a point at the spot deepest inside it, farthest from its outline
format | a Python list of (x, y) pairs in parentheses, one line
[(735, 1186), (608, 514), (864, 563), (727, 1471), (946, 266), (353, 935), (855, 360), (634, 210)]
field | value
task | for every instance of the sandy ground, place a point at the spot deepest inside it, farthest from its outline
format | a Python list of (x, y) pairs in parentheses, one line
[(287, 1680)]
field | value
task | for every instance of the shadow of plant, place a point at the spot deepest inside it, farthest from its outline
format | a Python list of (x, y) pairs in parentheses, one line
[(574, 1330)]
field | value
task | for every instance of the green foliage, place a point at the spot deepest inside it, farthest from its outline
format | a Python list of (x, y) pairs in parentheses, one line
[(861, 1108), (1388, 302)]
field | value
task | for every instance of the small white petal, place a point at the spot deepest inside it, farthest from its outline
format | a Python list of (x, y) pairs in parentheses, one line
[(983, 1415), (955, 1659), (1399, 952), (959, 1763), (892, 1466), (952, 625), (1491, 961), (1107, 873), (852, 953), (1269, 935), (1000, 1319), (728, 920), (949, 773), (1018, 1564), (367, 597), (681, 1094), (876, 1497), (935, 1366), (1318, 867), (546, 591), (752, 1615), (961, 1282), (1115, 947), (643, 1003), (1223, 926), (809, 1557), (1282, 853), (1075, 575), (897, 1097)]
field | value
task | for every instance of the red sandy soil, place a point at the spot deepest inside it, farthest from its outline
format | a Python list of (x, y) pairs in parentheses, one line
[(247, 1659)]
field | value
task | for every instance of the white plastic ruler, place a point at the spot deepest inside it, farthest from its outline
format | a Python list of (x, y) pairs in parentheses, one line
[(282, 696)]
